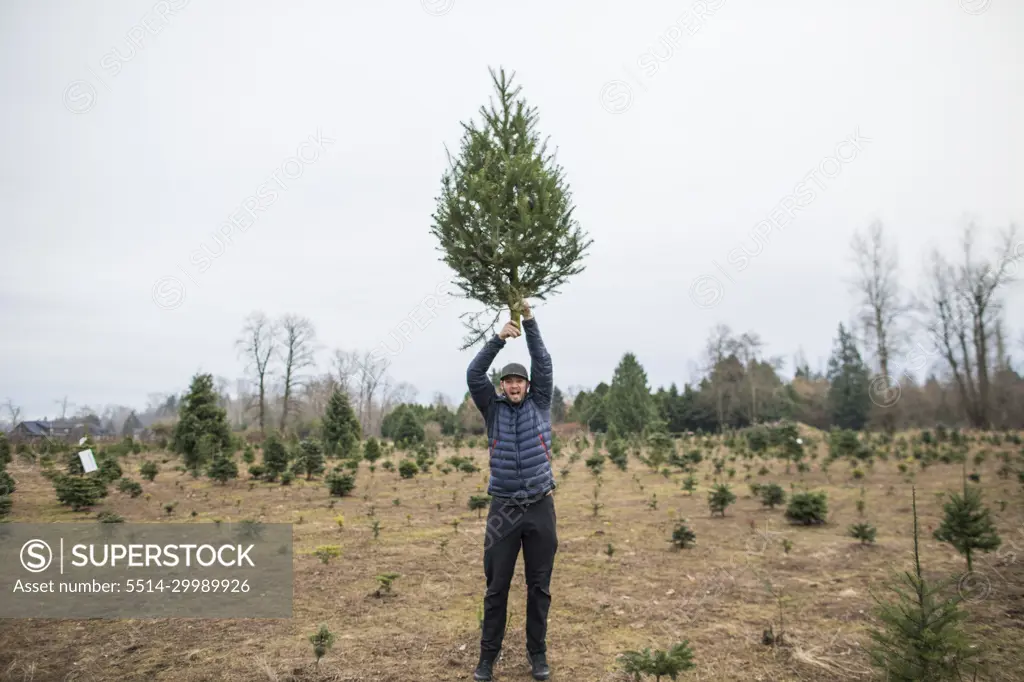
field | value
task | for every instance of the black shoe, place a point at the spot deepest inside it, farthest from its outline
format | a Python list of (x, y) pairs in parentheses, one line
[(539, 666), (483, 670)]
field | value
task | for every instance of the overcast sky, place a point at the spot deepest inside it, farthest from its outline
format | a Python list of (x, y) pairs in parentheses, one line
[(134, 133)]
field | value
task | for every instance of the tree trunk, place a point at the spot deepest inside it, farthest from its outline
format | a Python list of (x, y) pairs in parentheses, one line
[(263, 404)]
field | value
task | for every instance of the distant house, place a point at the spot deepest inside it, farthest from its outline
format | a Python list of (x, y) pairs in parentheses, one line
[(70, 430), (29, 431)]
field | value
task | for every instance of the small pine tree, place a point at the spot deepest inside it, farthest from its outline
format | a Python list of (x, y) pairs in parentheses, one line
[(808, 508), (967, 525), (7, 483), (132, 488), (340, 484), (327, 552), (222, 468), (340, 426), (921, 636), (310, 460), (617, 453), (79, 492), (720, 497), (683, 537), (478, 503), (690, 484), (322, 641), (275, 457), (659, 663), (385, 581), (772, 494), (149, 470), (200, 415), (408, 468), (5, 451), (864, 532), (371, 451)]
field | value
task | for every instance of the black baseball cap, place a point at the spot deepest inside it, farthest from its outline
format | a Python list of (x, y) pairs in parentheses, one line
[(514, 369)]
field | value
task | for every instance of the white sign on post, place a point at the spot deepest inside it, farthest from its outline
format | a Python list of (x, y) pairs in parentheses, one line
[(88, 461)]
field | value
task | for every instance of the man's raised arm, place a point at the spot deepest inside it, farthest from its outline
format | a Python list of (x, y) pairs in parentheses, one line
[(541, 374), (480, 386)]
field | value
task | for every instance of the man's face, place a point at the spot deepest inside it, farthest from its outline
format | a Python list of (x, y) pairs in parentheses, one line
[(515, 388)]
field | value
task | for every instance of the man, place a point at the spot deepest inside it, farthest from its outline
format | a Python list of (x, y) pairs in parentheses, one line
[(522, 512)]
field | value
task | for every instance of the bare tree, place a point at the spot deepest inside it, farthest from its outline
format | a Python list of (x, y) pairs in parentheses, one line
[(63, 402), (371, 372), (297, 346), (317, 392), (256, 345), (717, 348), (962, 307), (14, 411), (881, 301), (393, 394), (347, 369)]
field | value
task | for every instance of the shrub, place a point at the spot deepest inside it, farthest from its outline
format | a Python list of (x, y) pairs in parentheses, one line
[(864, 532), (772, 494), (595, 463), (720, 497), (287, 477), (256, 471), (690, 484), (5, 505), (808, 508), (683, 536)]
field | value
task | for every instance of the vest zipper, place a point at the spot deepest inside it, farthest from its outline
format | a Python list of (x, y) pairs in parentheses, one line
[(515, 431)]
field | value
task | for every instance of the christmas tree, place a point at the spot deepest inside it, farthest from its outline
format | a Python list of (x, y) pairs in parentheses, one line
[(921, 637), (504, 220)]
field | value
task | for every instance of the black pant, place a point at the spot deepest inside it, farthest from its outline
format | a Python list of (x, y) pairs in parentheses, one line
[(509, 525)]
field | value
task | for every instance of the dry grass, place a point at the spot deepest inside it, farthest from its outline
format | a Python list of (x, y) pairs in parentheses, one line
[(646, 594)]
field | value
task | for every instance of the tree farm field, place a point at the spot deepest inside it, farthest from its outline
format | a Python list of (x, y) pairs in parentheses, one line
[(619, 582)]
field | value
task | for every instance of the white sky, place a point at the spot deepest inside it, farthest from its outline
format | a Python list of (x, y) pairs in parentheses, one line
[(99, 205)]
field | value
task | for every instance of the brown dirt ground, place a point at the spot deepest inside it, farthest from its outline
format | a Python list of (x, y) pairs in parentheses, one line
[(646, 594)]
